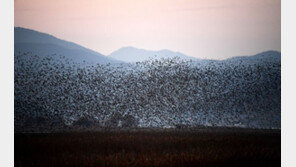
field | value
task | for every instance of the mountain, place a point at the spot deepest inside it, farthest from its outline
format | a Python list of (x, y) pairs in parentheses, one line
[(42, 44), (131, 54), (267, 56)]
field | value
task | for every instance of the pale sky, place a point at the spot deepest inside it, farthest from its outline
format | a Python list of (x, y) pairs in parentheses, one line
[(214, 29)]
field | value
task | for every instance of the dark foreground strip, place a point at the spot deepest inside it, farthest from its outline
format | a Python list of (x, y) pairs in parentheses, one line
[(213, 147)]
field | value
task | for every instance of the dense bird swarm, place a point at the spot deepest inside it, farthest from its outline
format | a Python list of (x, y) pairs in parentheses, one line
[(169, 93)]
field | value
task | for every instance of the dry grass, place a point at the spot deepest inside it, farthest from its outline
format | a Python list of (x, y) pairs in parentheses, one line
[(212, 147)]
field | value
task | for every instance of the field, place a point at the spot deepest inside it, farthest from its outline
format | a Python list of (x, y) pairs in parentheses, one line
[(150, 147)]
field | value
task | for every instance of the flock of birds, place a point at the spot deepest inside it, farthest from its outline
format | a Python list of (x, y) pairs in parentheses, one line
[(53, 92)]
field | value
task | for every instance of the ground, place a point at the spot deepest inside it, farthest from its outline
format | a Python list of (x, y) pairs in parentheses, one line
[(150, 147)]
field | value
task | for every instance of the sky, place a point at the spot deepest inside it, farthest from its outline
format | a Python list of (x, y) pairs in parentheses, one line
[(212, 29)]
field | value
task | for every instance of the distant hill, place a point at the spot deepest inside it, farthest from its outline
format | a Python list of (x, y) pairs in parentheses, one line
[(132, 54), (267, 56), (42, 44)]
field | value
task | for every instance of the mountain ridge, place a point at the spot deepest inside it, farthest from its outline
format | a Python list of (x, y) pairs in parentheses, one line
[(133, 54), (37, 42), (27, 40)]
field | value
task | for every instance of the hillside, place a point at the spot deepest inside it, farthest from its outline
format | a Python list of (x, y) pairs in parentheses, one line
[(41, 44), (132, 54)]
